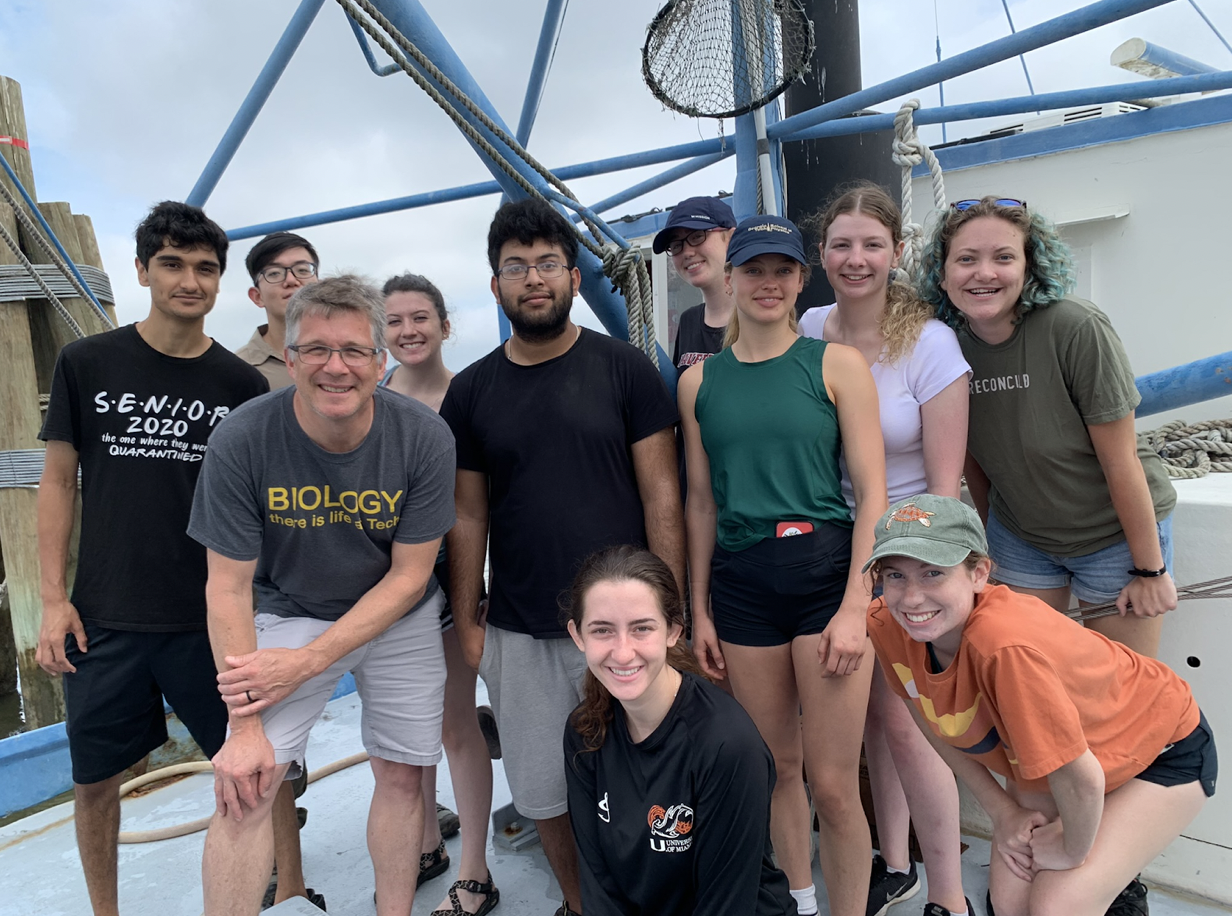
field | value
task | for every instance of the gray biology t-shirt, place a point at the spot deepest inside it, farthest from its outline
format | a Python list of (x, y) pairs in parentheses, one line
[(323, 524)]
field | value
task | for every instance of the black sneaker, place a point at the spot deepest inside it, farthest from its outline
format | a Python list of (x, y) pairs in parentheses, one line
[(936, 909), (1131, 901), (886, 888), (491, 734)]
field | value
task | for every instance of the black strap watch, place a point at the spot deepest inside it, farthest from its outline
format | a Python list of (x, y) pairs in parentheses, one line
[(1148, 573)]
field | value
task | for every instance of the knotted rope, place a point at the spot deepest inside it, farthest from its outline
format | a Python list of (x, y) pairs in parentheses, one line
[(910, 151), (624, 266), (1192, 450)]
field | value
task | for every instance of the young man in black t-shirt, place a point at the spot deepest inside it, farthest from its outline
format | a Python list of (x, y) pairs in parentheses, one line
[(565, 446), (133, 409)]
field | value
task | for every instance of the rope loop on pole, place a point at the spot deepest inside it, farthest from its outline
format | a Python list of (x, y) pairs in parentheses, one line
[(908, 152), (628, 271)]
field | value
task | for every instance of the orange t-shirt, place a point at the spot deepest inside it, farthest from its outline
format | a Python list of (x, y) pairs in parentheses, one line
[(1030, 690)]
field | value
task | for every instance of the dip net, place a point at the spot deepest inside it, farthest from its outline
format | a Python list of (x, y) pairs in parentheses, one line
[(723, 58)]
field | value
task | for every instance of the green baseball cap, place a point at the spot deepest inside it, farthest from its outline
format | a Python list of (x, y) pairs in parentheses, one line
[(933, 529)]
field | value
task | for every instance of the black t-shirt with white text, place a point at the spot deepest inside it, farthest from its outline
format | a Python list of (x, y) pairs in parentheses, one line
[(139, 420), (696, 341), (554, 440)]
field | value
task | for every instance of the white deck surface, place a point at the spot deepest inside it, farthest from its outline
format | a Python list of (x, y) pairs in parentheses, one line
[(40, 873)]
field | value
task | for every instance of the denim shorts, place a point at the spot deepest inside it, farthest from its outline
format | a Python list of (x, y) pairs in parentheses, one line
[(1095, 578)]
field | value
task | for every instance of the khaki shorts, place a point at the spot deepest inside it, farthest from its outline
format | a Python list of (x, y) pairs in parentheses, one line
[(400, 678), (533, 684)]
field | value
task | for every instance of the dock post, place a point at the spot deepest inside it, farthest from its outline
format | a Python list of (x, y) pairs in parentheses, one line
[(19, 425)]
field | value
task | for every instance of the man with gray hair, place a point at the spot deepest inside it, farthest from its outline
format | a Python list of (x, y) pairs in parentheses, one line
[(329, 498)]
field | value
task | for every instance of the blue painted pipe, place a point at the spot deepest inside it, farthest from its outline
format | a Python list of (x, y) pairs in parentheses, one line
[(362, 37), (1054, 30), (427, 199), (267, 79), (675, 173), (1169, 60), (549, 33), (1071, 98), (1181, 386)]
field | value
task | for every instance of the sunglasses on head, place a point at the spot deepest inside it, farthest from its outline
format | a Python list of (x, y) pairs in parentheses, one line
[(961, 205)]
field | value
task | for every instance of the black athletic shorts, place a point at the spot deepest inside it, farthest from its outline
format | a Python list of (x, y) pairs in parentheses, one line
[(780, 588), (114, 703), (1192, 759)]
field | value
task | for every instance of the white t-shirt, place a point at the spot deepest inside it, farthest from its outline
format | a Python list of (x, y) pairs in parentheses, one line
[(934, 362)]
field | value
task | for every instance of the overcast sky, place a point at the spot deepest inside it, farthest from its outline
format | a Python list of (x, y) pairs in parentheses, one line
[(126, 100)]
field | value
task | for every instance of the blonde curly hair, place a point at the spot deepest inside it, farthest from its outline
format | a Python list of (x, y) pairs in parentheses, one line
[(905, 312)]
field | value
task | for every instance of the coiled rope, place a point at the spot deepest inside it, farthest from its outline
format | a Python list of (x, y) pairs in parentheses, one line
[(1191, 450), (910, 151), (624, 266)]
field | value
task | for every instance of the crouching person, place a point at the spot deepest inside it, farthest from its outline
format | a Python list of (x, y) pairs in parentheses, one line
[(1106, 755), (331, 498), (669, 780)]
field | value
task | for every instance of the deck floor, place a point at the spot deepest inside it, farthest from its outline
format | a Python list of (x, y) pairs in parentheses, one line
[(40, 873)]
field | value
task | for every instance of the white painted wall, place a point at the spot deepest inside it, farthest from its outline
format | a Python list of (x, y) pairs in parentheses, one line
[(1148, 220)]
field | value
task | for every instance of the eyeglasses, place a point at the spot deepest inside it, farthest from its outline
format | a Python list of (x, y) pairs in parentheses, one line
[(693, 239), (304, 270), (547, 270), (961, 205), (317, 355)]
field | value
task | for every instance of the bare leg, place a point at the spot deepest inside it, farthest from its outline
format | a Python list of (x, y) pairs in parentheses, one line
[(470, 769), (931, 796), (556, 836), (395, 825), (833, 713), (1140, 820), (286, 845), (889, 802), (97, 810), (432, 826), (1138, 633), (238, 858), (764, 682)]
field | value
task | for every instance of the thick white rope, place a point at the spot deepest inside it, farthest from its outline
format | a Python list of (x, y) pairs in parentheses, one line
[(910, 151), (1192, 450)]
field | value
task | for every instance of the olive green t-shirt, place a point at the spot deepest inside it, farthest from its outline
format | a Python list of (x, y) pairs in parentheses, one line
[(1032, 399)]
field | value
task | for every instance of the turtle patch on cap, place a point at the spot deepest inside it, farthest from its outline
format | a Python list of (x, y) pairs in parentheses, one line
[(910, 513)]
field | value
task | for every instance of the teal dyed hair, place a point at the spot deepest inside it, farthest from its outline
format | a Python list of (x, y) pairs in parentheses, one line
[(1050, 267)]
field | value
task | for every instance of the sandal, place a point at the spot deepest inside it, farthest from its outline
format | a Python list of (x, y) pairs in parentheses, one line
[(487, 888), (432, 864)]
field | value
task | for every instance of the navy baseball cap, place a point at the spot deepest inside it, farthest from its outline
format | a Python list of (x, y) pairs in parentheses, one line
[(695, 213), (765, 235)]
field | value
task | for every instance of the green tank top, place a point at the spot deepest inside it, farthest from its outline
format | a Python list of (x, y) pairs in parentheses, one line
[(771, 434)]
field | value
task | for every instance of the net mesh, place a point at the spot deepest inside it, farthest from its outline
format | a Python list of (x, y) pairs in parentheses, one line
[(723, 58)]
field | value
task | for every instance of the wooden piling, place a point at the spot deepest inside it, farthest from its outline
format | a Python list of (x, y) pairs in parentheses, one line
[(90, 253), (19, 426)]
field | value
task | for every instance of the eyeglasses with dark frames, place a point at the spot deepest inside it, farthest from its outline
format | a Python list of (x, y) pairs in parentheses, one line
[(693, 240), (303, 270)]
